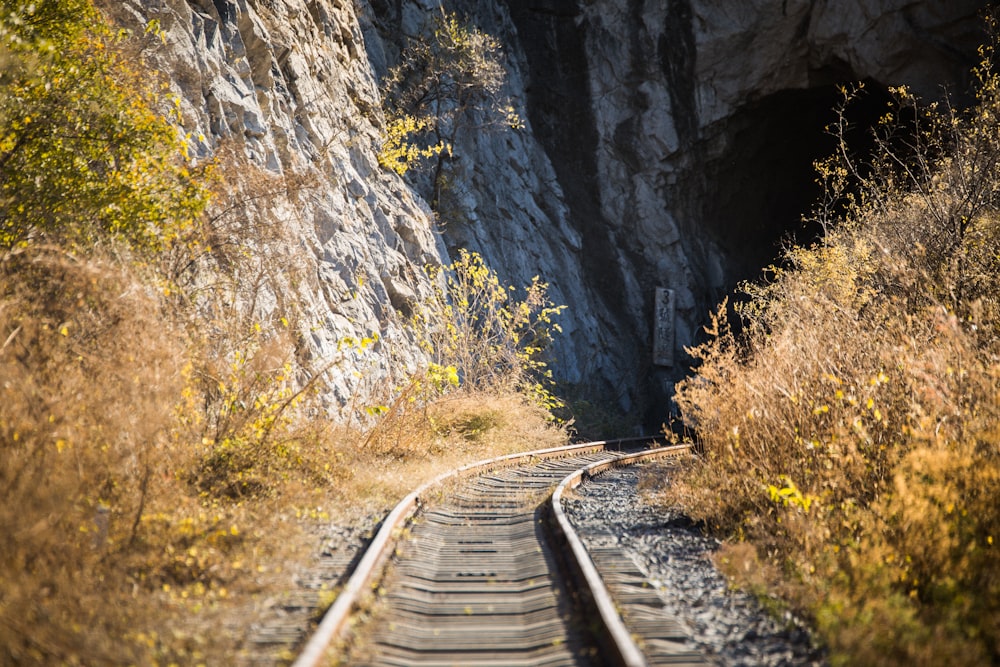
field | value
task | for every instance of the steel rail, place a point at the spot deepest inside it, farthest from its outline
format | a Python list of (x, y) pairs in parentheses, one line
[(335, 619), (623, 649)]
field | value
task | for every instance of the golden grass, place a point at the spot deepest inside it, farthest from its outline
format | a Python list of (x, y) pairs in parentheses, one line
[(850, 432), (149, 520), (454, 431)]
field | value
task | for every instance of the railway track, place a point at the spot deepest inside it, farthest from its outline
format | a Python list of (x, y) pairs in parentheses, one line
[(476, 580)]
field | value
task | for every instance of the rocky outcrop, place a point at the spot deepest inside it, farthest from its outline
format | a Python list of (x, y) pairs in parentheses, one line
[(686, 130), (510, 201), (666, 144), (284, 94)]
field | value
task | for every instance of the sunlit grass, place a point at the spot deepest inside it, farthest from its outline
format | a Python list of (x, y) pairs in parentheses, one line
[(851, 449)]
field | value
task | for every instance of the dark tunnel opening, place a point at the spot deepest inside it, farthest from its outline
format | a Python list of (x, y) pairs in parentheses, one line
[(758, 191)]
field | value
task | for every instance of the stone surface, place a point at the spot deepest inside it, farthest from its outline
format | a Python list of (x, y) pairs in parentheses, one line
[(283, 93), (684, 131), (666, 144), (727, 626)]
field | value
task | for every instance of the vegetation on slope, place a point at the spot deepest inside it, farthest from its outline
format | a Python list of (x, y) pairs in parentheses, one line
[(159, 445), (448, 81), (84, 154), (850, 430)]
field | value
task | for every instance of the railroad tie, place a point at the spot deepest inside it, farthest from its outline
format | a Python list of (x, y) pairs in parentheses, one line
[(473, 583)]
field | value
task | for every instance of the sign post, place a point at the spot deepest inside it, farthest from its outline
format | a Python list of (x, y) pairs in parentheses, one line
[(663, 327)]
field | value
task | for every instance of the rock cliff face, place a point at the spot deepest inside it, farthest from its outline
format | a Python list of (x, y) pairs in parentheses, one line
[(666, 144), (684, 131), (284, 92)]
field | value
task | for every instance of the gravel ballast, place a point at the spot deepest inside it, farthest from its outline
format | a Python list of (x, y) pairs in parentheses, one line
[(729, 627)]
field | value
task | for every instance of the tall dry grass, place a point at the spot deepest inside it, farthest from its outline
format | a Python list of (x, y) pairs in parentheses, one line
[(850, 430), (87, 371), (150, 469), (162, 447), (117, 526)]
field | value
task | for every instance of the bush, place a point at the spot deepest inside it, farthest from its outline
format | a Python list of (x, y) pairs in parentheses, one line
[(119, 386), (477, 329), (479, 339), (442, 79), (85, 155), (849, 431)]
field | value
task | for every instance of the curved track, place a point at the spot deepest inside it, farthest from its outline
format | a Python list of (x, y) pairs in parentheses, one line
[(630, 624), (476, 581)]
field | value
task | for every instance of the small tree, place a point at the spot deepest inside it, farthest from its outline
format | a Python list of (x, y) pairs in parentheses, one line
[(430, 96), (84, 154)]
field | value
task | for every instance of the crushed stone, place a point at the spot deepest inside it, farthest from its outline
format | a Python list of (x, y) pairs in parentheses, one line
[(728, 626)]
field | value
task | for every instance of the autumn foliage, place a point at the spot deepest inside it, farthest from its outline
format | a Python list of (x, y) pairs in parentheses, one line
[(444, 79), (86, 154), (850, 429)]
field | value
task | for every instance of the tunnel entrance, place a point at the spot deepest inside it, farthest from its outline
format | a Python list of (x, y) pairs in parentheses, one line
[(755, 182), (763, 182)]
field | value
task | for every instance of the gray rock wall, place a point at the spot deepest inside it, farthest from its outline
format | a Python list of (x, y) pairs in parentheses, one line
[(661, 149), (287, 87), (520, 208), (692, 128)]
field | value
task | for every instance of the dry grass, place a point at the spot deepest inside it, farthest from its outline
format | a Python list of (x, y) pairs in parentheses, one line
[(108, 540), (84, 444), (145, 523), (850, 432), (162, 465), (455, 431)]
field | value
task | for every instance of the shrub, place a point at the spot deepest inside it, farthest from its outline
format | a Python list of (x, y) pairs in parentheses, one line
[(84, 153), (849, 431), (114, 378), (400, 150), (442, 80), (489, 338), (479, 339)]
